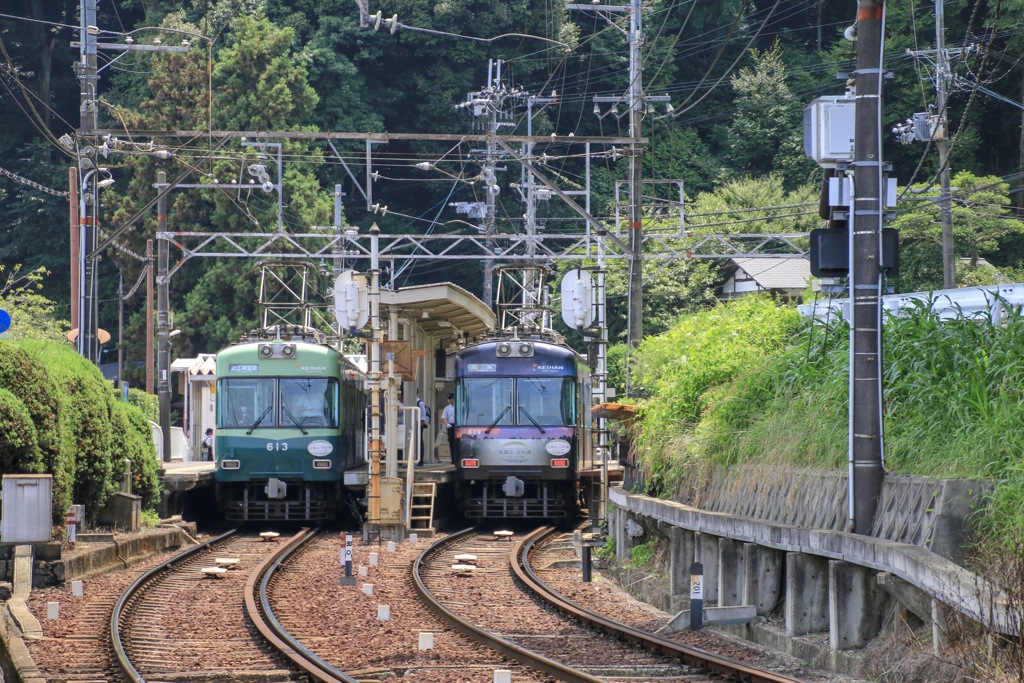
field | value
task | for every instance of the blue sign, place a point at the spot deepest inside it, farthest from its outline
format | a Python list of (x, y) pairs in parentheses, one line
[(5, 321)]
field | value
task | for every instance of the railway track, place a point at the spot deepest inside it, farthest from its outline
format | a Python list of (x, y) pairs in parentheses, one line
[(183, 620), (547, 632)]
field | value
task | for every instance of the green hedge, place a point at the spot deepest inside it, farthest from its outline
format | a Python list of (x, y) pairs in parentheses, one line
[(58, 415)]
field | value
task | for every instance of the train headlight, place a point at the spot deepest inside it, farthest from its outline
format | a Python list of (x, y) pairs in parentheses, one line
[(230, 464), (321, 464), (288, 350), (526, 350), (560, 462), (504, 349), (266, 351)]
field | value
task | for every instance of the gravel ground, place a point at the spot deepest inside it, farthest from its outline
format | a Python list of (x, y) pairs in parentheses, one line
[(557, 564), (341, 622)]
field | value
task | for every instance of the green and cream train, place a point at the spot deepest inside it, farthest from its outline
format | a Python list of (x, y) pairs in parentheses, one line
[(290, 421)]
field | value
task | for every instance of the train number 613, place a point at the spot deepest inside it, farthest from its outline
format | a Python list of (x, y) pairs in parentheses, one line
[(277, 445)]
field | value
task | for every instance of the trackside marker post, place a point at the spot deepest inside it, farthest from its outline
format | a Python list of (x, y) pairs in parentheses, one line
[(346, 559), (72, 521), (696, 596)]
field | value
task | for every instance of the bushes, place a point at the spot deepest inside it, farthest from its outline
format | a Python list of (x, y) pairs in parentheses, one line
[(684, 370), (19, 447), (58, 415), (736, 386)]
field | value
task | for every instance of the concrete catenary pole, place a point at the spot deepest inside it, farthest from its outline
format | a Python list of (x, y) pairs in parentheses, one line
[(87, 77), (163, 375), (942, 143), (636, 233), (150, 332), (865, 460)]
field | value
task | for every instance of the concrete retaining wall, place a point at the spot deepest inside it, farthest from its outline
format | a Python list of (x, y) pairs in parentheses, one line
[(824, 582), (932, 513)]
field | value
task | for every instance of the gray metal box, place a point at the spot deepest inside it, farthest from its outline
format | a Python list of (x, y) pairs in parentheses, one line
[(26, 508), (828, 129)]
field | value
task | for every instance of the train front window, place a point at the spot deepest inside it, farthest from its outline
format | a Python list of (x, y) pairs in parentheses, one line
[(309, 402), (243, 402), (485, 401), (546, 400)]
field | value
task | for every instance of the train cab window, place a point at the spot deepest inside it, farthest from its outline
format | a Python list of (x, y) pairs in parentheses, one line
[(546, 400), (246, 403), (486, 401), (309, 402)]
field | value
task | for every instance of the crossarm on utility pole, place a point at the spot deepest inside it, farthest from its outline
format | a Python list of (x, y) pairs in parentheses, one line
[(596, 224), (149, 205)]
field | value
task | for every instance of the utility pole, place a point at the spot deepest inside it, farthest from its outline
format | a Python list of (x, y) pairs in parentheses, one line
[(636, 105), (150, 332), (88, 156), (163, 378), (635, 102), (865, 279), (377, 453), (88, 78), (489, 105), (942, 143), (935, 128)]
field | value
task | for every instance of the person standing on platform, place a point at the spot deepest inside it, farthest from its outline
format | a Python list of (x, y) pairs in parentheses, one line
[(448, 419), (424, 423), (206, 451)]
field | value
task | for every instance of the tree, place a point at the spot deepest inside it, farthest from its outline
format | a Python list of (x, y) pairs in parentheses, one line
[(260, 82), (754, 205), (982, 216), (766, 132), (32, 314)]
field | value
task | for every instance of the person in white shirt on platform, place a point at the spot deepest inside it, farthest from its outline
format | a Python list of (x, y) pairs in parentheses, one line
[(424, 423), (448, 419), (206, 452)]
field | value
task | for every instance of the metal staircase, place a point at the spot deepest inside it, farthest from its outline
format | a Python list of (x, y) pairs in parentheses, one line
[(421, 510)]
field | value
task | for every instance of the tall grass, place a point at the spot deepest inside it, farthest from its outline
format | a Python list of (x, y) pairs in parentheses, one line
[(751, 382)]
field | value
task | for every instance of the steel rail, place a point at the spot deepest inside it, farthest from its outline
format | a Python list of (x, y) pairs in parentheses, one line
[(135, 590), (522, 655), (262, 616), (720, 664)]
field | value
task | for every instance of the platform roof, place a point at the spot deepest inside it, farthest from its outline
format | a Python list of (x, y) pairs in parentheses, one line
[(439, 307)]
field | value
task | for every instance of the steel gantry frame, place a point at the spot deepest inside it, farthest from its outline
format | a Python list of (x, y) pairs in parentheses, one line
[(328, 243)]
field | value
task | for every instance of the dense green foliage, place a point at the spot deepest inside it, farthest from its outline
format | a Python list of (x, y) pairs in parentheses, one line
[(58, 416), (752, 382), (738, 73), (678, 369)]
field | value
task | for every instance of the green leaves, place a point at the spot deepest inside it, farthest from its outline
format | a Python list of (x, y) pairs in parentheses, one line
[(753, 383), (682, 371), (981, 214)]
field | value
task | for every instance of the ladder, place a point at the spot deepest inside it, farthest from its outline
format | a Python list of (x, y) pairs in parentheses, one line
[(421, 511)]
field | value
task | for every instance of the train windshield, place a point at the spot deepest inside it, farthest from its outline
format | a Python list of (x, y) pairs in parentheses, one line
[(309, 402), (270, 402), (508, 401)]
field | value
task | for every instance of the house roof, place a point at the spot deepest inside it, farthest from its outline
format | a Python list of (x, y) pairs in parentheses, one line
[(776, 272)]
